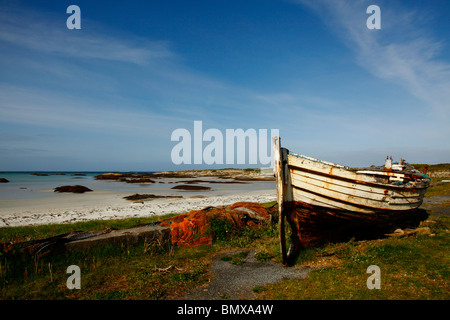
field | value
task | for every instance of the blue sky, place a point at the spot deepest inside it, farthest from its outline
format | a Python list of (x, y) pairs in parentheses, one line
[(107, 97)]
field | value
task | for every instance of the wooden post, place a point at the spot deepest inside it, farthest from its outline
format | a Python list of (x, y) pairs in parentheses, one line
[(279, 167)]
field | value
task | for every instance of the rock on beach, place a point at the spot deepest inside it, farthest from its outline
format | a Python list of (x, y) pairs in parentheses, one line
[(73, 189), (191, 188)]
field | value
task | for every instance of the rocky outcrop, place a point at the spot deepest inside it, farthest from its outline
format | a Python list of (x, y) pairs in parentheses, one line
[(3, 180), (138, 180), (142, 197), (236, 175), (191, 188), (126, 177), (73, 189)]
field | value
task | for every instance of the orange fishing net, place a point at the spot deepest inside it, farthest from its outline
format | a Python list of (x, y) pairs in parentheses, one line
[(194, 228)]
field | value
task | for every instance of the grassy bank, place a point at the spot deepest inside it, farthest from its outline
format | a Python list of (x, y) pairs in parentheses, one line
[(134, 272), (414, 267)]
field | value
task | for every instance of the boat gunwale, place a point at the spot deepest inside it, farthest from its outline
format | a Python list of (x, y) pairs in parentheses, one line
[(367, 172), (318, 160)]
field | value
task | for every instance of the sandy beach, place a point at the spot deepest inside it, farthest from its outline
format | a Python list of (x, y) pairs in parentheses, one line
[(98, 205)]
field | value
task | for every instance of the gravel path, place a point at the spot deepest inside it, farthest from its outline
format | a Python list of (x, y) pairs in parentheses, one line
[(236, 282)]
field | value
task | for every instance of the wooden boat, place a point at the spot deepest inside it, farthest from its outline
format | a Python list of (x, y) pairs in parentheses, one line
[(319, 198)]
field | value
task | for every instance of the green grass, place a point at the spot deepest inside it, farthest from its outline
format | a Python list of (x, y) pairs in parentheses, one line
[(438, 189), (432, 167), (438, 172), (106, 273), (117, 274), (416, 267)]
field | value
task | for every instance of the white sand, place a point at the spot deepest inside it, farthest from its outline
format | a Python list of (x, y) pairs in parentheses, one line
[(104, 205)]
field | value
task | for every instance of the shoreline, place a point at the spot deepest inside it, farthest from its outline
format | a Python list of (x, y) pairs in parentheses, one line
[(107, 205)]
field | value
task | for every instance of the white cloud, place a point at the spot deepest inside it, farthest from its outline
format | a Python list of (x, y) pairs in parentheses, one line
[(49, 109), (44, 33)]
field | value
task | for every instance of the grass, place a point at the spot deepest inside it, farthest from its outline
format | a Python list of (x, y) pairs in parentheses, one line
[(437, 172), (438, 188), (416, 267), (106, 273), (432, 167)]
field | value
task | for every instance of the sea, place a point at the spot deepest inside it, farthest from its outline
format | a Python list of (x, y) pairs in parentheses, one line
[(27, 184)]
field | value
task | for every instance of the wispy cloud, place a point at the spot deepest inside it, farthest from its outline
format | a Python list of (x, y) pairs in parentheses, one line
[(65, 78), (44, 33), (400, 52), (49, 109)]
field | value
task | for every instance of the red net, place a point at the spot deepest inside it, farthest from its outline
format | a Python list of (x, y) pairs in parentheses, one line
[(194, 228)]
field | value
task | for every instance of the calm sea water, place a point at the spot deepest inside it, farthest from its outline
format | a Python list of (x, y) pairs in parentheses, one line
[(23, 185)]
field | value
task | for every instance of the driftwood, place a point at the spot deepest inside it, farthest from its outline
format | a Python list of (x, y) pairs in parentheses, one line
[(408, 232), (168, 269)]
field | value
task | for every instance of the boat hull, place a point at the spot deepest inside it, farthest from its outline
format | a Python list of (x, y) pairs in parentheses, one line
[(312, 226), (330, 186)]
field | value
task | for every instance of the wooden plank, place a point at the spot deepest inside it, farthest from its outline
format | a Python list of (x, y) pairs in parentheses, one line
[(356, 199), (130, 236), (352, 190), (318, 200), (280, 178), (392, 192)]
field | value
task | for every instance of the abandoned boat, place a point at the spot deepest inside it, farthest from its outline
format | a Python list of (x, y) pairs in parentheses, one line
[(320, 198)]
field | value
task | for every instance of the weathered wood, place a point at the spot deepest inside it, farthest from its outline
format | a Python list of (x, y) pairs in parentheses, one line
[(285, 196), (317, 225), (326, 184), (279, 174), (373, 190), (335, 170), (131, 236)]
